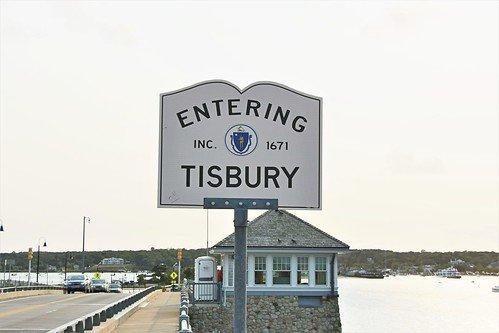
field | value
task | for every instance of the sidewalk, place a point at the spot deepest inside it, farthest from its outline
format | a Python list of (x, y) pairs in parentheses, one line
[(159, 314)]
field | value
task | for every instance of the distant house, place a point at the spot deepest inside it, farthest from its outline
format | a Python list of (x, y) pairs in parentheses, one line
[(457, 262), (292, 277), (112, 261)]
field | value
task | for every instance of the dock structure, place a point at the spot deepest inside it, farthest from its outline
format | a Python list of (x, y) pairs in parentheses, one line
[(291, 279)]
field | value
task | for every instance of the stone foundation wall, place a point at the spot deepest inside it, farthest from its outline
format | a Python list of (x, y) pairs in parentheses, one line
[(269, 314)]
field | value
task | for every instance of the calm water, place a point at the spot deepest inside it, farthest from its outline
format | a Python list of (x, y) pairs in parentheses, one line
[(58, 278), (419, 304)]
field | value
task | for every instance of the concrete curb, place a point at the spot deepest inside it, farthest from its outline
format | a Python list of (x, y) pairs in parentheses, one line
[(111, 324), (27, 293)]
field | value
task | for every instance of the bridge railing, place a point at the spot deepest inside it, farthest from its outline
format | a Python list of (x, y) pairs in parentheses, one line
[(95, 318), (184, 323), (23, 288), (205, 292)]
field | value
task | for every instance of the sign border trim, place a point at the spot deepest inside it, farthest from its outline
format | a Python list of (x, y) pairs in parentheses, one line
[(241, 91)]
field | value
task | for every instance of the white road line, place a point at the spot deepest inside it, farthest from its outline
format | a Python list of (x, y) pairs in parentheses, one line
[(144, 305)]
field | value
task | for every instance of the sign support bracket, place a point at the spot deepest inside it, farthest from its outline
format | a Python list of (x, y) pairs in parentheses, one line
[(240, 207)]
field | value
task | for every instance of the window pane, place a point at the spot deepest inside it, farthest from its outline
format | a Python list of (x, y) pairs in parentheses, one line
[(320, 263), (281, 263), (282, 277), (260, 263), (302, 277), (303, 263), (231, 272), (320, 278), (260, 277)]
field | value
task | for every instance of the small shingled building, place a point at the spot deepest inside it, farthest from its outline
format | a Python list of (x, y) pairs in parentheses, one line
[(292, 276)]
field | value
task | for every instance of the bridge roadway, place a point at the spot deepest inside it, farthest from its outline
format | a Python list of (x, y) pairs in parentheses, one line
[(46, 312)]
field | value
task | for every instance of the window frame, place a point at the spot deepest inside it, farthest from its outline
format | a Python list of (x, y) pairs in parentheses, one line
[(324, 271), (258, 264), (281, 267), (302, 267)]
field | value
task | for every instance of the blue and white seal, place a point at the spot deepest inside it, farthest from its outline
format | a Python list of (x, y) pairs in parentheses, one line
[(241, 140)]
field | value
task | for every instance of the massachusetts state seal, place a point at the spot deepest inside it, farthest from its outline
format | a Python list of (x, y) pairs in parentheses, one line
[(241, 140)]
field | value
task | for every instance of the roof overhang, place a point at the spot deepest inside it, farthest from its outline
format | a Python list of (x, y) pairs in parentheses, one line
[(282, 249)]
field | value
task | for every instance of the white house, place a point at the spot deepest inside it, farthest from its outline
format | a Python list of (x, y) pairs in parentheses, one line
[(286, 256)]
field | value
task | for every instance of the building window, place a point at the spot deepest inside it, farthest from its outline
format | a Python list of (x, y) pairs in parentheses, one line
[(320, 270), (302, 276), (231, 271), (260, 270), (282, 270)]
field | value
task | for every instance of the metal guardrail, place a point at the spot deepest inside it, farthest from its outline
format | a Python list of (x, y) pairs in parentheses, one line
[(23, 288), (95, 318), (184, 323), (205, 292)]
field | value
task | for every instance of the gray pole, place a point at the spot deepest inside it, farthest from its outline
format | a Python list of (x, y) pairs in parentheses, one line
[(83, 250), (240, 206), (240, 224)]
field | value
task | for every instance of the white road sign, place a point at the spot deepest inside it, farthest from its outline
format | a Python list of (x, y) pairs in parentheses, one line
[(260, 142)]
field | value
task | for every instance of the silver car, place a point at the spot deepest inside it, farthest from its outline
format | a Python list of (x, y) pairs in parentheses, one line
[(115, 288), (99, 285)]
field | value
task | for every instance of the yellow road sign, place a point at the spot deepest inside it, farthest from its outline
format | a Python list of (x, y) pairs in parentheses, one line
[(173, 275), (30, 253)]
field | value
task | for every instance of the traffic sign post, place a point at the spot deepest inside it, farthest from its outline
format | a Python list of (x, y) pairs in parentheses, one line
[(221, 147), (30, 257), (179, 258)]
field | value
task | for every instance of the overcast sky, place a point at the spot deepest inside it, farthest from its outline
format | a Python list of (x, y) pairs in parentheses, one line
[(410, 93)]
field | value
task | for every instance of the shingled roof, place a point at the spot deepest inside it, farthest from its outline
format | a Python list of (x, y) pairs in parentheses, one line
[(279, 228)]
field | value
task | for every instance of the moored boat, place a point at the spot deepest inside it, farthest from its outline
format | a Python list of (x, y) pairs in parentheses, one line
[(450, 273), (362, 273)]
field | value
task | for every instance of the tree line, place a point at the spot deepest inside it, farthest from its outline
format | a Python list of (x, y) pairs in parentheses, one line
[(149, 260)]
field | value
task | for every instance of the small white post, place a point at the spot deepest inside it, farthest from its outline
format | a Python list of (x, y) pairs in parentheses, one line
[(29, 272), (179, 273)]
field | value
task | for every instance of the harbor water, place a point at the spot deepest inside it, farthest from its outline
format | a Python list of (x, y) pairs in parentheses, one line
[(419, 304), (393, 304), (58, 278)]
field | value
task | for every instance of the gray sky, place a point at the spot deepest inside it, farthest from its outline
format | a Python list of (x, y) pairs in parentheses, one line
[(410, 96)]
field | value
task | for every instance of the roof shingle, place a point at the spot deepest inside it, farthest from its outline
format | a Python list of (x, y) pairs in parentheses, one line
[(279, 228)]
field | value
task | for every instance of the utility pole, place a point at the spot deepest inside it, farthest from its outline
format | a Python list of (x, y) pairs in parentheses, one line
[(1, 231), (207, 234), (85, 219)]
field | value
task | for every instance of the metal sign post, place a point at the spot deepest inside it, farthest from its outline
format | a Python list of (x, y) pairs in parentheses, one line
[(240, 207), (179, 258)]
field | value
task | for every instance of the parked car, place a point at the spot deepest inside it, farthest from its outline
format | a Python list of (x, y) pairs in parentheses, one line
[(99, 285), (77, 282), (115, 288), (175, 287)]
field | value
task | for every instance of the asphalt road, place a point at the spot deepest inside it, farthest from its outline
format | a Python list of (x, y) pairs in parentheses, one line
[(46, 312)]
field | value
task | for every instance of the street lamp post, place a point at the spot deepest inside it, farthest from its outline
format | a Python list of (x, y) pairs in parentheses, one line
[(68, 256), (1, 231), (85, 219), (38, 256)]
